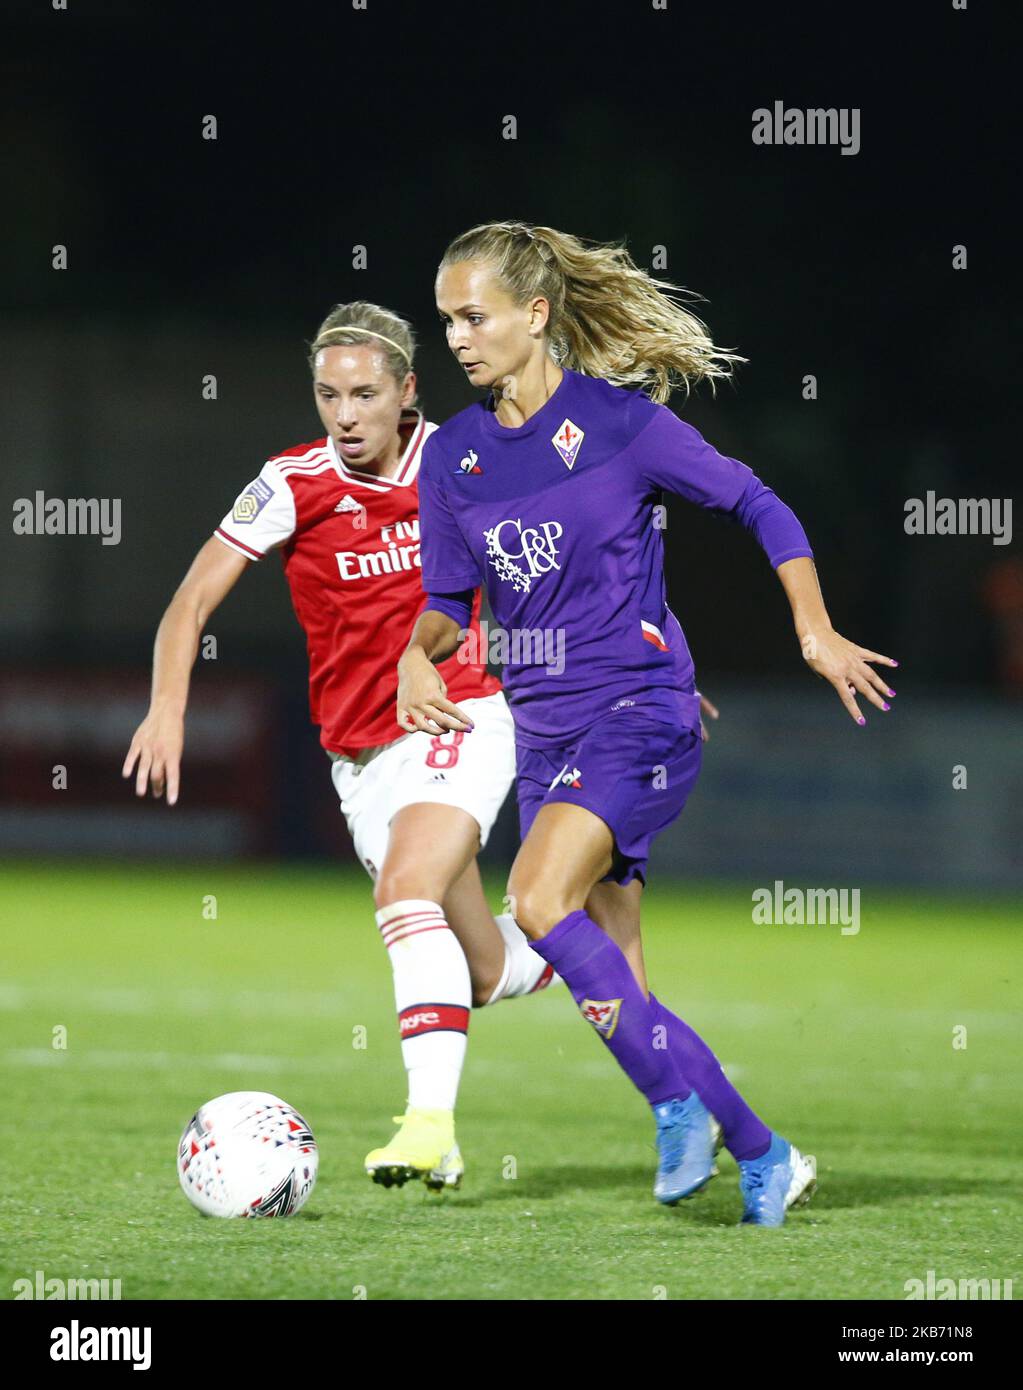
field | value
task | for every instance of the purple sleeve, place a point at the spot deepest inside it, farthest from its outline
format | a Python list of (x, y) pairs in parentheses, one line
[(457, 606), (775, 526), (677, 458), (449, 566)]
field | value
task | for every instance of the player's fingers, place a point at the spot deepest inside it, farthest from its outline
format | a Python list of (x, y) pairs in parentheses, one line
[(876, 680), (129, 761), (421, 720), (866, 655), (142, 777), (865, 688), (707, 708), (845, 694), (444, 718), (448, 708), (173, 781), (156, 778)]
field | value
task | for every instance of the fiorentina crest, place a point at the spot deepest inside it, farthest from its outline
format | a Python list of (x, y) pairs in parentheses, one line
[(567, 441), (602, 1013)]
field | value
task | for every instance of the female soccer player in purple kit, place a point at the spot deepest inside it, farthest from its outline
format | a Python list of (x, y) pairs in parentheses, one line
[(546, 493)]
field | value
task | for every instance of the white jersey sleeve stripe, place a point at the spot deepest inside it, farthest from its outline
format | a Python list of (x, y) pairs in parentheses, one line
[(313, 461), (311, 452), (306, 469)]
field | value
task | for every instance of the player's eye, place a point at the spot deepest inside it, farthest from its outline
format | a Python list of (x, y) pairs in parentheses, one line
[(475, 319)]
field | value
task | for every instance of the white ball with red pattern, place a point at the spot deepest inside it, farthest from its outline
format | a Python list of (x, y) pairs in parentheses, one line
[(247, 1153)]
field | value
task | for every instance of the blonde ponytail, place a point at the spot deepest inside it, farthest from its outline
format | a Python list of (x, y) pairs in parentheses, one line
[(609, 318)]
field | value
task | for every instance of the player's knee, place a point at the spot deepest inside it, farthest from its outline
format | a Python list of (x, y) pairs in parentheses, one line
[(536, 910), (398, 884)]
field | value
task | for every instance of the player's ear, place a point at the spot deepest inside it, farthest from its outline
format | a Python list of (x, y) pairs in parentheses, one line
[(408, 390), (539, 316)]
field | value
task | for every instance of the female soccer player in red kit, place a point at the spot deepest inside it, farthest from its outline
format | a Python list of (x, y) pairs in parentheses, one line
[(343, 511)]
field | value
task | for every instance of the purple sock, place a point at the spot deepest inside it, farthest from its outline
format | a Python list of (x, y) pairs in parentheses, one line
[(604, 987), (746, 1135)]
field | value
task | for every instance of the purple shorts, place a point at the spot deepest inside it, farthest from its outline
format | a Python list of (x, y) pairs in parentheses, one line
[(633, 770)]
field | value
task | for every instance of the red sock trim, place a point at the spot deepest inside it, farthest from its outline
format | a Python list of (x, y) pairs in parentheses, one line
[(432, 1018)]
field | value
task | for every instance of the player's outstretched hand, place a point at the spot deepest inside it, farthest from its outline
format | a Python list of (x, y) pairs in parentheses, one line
[(157, 747), (709, 711), (422, 699), (844, 664)]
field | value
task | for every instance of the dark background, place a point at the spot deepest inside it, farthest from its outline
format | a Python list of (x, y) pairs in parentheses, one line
[(382, 127)]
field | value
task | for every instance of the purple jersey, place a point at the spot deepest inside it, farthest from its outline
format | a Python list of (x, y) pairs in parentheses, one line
[(557, 518)]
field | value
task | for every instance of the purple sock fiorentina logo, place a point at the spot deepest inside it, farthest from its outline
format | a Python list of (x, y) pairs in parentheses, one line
[(568, 441), (602, 1013)]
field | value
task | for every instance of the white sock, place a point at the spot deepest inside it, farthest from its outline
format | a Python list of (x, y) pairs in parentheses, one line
[(524, 971), (433, 996)]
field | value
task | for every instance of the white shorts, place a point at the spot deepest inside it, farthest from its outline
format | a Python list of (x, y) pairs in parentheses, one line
[(470, 770)]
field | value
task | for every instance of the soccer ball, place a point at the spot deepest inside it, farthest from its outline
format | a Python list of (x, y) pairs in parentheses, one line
[(247, 1154)]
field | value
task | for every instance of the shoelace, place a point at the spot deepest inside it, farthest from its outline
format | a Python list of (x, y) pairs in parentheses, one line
[(753, 1188), (675, 1133)]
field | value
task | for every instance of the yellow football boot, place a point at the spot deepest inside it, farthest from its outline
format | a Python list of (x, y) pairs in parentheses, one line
[(424, 1147)]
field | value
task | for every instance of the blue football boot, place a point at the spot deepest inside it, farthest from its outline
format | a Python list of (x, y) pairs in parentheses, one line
[(687, 1138), (778, 1179)]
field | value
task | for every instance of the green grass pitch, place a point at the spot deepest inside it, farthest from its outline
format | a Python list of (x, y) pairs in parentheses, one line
[(843, 1043)]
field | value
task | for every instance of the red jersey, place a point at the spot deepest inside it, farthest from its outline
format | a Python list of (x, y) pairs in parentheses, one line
[(350, 545)]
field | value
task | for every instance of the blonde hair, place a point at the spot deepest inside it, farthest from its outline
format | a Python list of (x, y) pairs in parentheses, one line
[(608, 318), (351, 324)]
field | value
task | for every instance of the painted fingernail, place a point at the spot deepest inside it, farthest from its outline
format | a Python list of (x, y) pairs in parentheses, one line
[(885, 706), (895, 663), (861, 720), (891, 692)]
